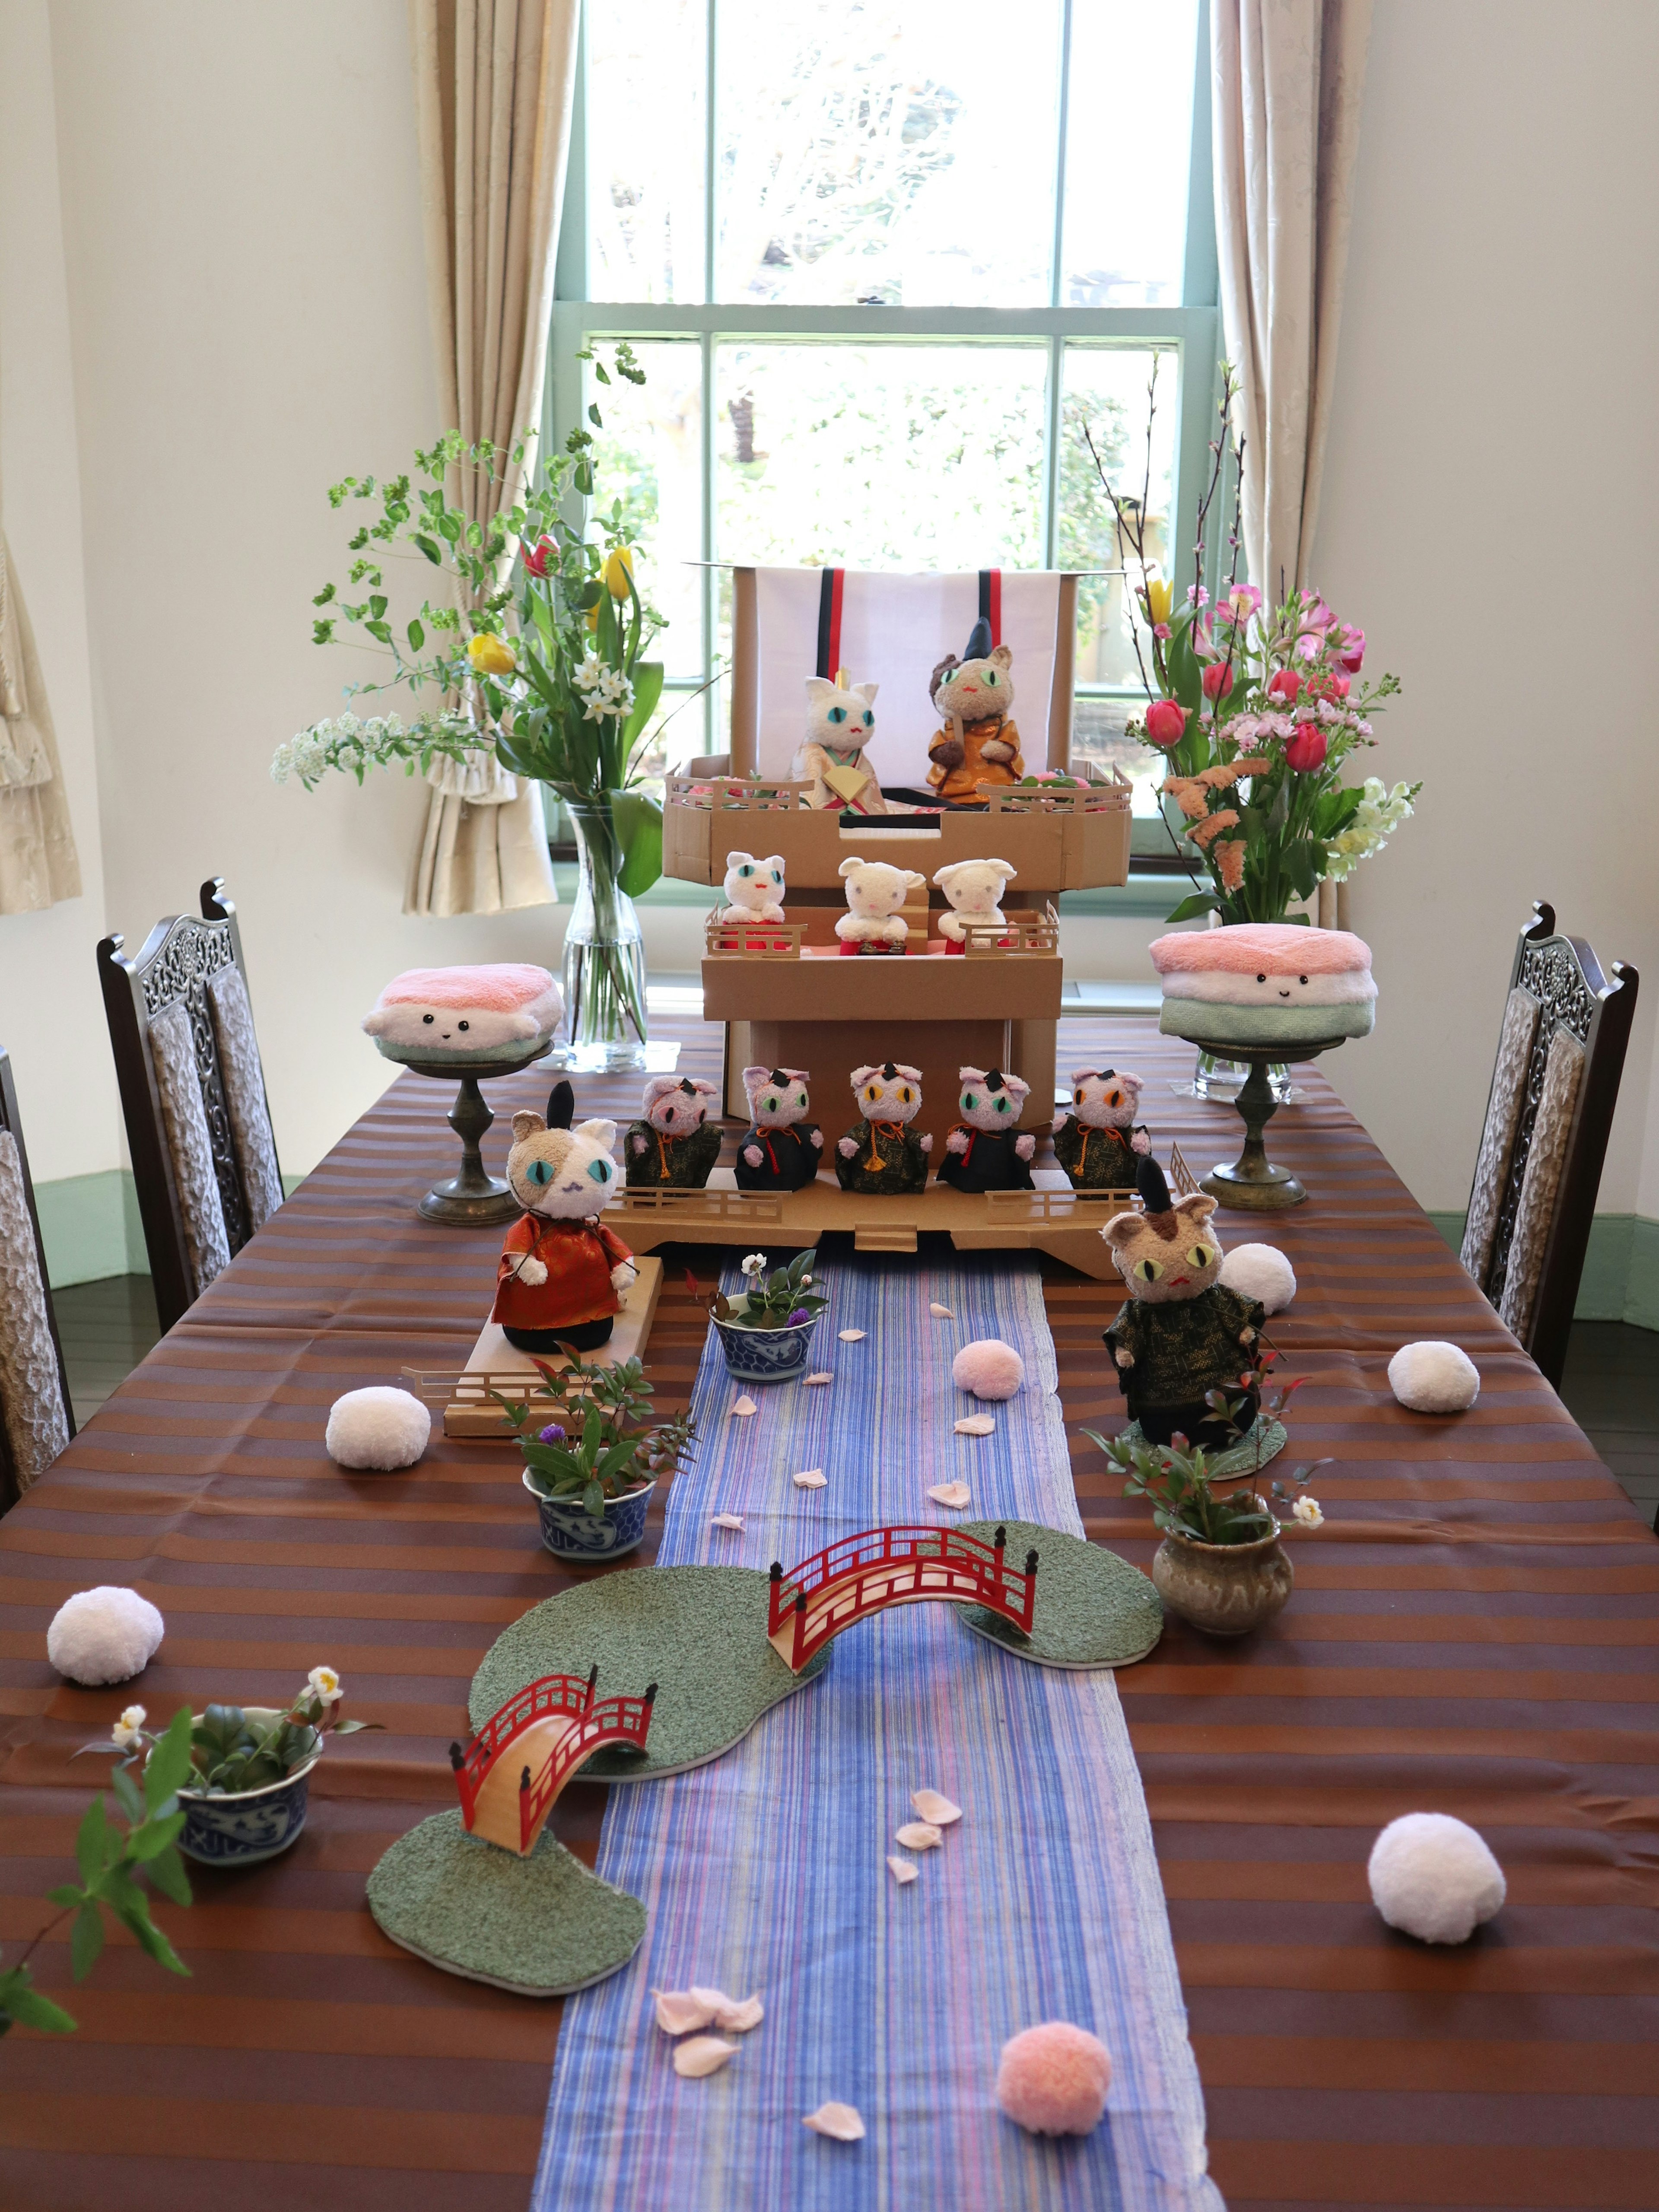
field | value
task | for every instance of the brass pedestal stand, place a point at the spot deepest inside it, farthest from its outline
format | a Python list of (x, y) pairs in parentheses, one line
[(1252, 1184), (475, 1199)]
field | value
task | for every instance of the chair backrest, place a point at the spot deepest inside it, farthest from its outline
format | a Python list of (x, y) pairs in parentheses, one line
[(36, 1418), (193, 1096), (1560, 1054)]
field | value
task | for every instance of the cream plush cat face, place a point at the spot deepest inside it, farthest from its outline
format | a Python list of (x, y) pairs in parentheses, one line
[(1102, 1099), (676, 1105), (974, 691), (843, 721), (753, 883), (561, 1175), (990, 1099), (891, 1092), (777, 1095), (1166, 1257)]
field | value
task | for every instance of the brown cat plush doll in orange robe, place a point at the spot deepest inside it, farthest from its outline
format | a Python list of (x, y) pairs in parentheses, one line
[(979, 742)]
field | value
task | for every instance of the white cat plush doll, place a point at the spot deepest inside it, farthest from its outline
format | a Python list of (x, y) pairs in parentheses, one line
[(754, 889), (840, 722)]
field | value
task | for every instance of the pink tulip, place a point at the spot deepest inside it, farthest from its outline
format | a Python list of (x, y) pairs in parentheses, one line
[(1217, 680), (1284, 683), (1307, 748), (1166, 723)]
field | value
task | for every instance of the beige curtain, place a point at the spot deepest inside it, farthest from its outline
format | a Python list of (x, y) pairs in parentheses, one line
[(494, 81), (1287, 78), (37, 861)]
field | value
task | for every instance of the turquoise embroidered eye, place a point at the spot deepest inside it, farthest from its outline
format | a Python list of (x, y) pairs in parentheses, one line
[(745, 871), (1002, 1105), (838, 714), (540, 1171), (869, 720), (599, 1170)]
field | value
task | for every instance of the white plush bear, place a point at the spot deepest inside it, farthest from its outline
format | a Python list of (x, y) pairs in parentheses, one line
[(754, 889), (875, 896), (840, 723), (975, 890)]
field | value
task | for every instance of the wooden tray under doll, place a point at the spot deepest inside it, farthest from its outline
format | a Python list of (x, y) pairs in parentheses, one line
[(464, 1396)]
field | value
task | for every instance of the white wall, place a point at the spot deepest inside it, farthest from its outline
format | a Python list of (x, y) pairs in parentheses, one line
[(1488, 516), (51, 1014)]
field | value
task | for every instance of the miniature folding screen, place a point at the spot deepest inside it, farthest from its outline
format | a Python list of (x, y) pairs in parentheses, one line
[(893, 630)]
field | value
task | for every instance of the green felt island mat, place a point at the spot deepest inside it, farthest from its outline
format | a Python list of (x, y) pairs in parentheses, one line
[(1266, 1440), (699, 1633), (541, 1926), (1093, 1609)]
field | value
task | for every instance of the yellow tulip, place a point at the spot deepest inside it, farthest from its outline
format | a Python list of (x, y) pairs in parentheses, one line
[(1159, 595), (619, 571), (592, 616), (491, 655)]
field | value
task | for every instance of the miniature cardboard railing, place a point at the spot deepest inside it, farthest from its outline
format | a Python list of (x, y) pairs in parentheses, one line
[(1098, 795), (478, 1386), (753, 941), (738, 794), (866, 1573), (1021, 932), (749, 1205), (613, 1720)]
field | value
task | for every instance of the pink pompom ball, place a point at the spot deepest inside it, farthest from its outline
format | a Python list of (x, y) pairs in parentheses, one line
[(988, 1367), (1053, 2079)]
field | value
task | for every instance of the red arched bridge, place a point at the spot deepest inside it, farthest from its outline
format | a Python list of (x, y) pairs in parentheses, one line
[(893, 1566), (550, 1728)]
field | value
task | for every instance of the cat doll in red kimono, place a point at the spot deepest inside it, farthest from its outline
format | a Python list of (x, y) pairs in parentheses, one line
[(563, 1274)]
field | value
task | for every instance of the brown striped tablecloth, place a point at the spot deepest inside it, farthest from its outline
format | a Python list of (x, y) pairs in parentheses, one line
[(1474, 1631)]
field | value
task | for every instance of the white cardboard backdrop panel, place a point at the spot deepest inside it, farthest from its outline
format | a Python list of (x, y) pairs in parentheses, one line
[(894, 630)]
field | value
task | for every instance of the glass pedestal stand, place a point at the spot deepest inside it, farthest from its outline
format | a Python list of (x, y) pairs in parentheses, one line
[(474, 1199), (1218, 1075), (1252, 1183)]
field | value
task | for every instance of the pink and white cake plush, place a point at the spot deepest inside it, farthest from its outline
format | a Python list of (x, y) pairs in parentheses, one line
[(499, 1011), (1265, 984)]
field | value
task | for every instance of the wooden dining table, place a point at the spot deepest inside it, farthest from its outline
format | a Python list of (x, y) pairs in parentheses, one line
[(1474, 1631)]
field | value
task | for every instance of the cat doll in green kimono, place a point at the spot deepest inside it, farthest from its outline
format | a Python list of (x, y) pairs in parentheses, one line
[(881, 1155), (1182, 1332), (1097, 1142)]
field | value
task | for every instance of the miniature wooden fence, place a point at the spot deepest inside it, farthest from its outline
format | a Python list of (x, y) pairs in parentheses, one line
[(753, 941), (746, 1205), (1059, 1206), (738, 794), (1102, 797), (476, 1387), (880, 1567), (1022, 932)]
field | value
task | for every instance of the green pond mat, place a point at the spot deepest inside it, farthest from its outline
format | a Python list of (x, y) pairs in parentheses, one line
[(1256, 1450), (699, 1633), (541, 1925), (1093, 1609)]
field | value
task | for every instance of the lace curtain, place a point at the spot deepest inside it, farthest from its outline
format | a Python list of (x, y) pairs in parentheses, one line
[(39, 865)]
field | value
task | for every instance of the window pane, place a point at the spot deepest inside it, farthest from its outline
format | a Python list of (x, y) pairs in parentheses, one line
[(1129, 141), (880, 457), (896, 150), (648, 455), (647, 72), (1105, 391)]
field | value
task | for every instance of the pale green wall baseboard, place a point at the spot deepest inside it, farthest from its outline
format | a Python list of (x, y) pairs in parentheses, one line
[(90, 1227), (1621, 1281)]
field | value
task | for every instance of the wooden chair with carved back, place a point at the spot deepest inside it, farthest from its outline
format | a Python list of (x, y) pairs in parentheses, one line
[(1560, 1054), (193, 1096), (36, 1418)]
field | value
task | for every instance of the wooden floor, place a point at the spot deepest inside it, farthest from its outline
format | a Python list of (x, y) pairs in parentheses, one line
[(1611, 1386)]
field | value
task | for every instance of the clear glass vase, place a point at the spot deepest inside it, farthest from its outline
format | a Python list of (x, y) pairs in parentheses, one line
[(605, 1014)]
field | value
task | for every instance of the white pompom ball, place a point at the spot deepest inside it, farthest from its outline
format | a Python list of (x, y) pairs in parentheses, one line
[(988, 1367), (1434, 1877), (103, 1635), (1434, 1378), (1259, 1271), (379, 1427)]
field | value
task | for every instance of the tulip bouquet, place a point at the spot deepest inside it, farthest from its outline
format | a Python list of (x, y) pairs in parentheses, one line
[(1257, 710), (535, 652)]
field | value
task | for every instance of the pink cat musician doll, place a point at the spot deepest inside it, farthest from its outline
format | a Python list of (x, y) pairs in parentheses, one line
[(563, 1274)]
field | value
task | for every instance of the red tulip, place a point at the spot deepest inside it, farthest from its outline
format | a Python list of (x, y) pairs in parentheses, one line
[(1217, 680), (1166, 723), (1329, 686), (536, 558), (1307, 749), (1284, 683), (1352, 653)]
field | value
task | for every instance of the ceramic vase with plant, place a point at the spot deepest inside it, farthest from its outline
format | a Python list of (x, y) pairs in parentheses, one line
[(1221, 1566), (592, 1466), (766, 1330), (247, 1791)]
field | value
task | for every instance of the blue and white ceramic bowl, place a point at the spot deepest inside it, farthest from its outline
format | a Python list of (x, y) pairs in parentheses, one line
[(257, 1825), (571, 1532), (766, 1355)]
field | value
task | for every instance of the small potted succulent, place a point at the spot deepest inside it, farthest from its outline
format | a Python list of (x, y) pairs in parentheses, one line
[(1220, 1567), (249, 1768), (765, 1331), (593, 1467)]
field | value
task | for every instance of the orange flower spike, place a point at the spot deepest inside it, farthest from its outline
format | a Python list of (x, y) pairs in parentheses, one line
[(1204, 833), (1229, 857)]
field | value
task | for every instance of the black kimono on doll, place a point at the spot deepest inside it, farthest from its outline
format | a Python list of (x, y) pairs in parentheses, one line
[(1183, 1333), (987, 1150), (780, 1149), (990, 1163)]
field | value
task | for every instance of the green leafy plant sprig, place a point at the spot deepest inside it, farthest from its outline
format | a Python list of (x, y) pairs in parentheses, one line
[(601, 1442), (775, 1300), (113, 1859)]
